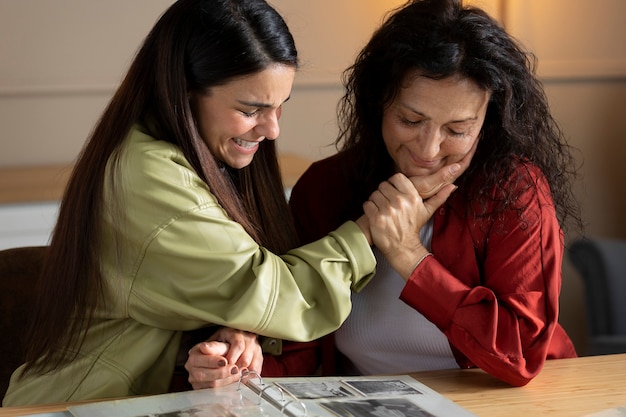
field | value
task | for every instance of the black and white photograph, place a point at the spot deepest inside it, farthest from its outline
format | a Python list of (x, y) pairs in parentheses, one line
[(396, 407), (381, 387), (312, 390)]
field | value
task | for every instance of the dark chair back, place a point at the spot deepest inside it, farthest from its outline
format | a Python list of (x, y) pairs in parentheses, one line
[(19, 273), (601, 263)]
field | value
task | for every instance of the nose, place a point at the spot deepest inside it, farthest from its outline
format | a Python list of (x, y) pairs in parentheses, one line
[(429, 142), (268, 125)]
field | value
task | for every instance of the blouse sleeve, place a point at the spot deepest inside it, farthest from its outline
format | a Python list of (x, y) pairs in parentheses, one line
[(504, 322)]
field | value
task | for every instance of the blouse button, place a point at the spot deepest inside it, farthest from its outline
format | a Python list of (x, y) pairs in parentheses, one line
[(442, 211)]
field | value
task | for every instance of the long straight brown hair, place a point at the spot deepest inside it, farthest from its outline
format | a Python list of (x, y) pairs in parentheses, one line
[(195, 45)]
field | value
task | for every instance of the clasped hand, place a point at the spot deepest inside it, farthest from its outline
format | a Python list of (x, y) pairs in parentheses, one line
[(394, 216), (222, 358), (396, 212)]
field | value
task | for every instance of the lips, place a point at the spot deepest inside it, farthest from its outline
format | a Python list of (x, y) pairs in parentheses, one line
[(245, 143), (422, 163)]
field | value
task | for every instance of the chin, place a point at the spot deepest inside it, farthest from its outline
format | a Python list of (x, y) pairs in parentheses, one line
[(240, 163), (418, 171)]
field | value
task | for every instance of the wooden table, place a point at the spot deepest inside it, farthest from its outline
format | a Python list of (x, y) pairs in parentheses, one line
[(565, 387)]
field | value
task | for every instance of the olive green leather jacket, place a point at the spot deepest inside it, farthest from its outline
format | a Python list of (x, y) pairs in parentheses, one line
[(184, 264)]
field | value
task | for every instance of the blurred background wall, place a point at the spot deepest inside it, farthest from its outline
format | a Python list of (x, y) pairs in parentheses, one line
[(60, 62)]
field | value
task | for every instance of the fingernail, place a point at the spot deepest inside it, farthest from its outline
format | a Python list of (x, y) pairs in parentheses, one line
[(221, 362), (234, 370), (455, 168)]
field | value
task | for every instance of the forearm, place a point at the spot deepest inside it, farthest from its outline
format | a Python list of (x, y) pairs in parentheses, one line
[(498, 308)]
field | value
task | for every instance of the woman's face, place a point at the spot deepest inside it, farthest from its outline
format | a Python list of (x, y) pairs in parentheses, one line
[(235, 117), (432, 123)]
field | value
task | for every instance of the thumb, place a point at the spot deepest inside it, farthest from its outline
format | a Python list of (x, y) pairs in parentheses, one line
[(214, 348), (434, 202)]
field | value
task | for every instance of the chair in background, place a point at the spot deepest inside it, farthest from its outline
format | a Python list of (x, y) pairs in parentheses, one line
[(601, 263), (19, 273)]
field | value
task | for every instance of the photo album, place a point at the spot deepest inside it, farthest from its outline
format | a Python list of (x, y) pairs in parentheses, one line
[(289, 396)]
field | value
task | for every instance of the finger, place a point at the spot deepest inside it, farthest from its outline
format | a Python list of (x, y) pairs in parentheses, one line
[(252, 352), (454, 171), (236, 349), (237, 339), (207, 355), (402, 184), (213, 348), (252, 358), (386, 192), (364, 225), (370, 209), (213, 378), (376, 201), (451, 173), (433, 203), (429, 185), (256, 364), (208, 369)]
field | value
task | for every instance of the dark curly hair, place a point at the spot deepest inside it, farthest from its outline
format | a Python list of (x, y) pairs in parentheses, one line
[(442, 38)]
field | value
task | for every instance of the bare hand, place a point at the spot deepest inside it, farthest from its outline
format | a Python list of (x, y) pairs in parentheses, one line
[(363, 223), (222, 358), (430, 185), (396, 213)]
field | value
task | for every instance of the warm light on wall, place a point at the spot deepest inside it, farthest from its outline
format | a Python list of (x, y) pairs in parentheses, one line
[(496, 8)]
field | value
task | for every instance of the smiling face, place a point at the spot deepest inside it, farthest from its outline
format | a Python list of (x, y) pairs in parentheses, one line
[(234, 118), (432, 123)]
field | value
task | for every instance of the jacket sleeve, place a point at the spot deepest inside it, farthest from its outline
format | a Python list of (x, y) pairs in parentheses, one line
[(186, 264), (207, 270), (504, 324)]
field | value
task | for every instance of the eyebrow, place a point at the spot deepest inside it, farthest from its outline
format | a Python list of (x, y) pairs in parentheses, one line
[(259, 104), (469, 119)]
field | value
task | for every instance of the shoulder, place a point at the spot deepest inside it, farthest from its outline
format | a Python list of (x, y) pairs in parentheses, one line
[(326, 169), (149, 160), (322, 200), (522, 181), (151, 170), (143, 152), (524, 193), (527, 182), (324, 178)]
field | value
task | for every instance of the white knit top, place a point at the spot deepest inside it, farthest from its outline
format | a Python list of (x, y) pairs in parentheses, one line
[(384, 335)]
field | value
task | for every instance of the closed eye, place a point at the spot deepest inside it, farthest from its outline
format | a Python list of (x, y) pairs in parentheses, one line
[(250, 114), (410, 122)]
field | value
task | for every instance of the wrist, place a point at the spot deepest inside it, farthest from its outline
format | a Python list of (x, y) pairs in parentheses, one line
[(419, 261), (363, 224), (406, 265)]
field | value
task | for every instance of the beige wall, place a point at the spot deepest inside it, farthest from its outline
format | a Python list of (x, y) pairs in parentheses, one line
[(61, 61)]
